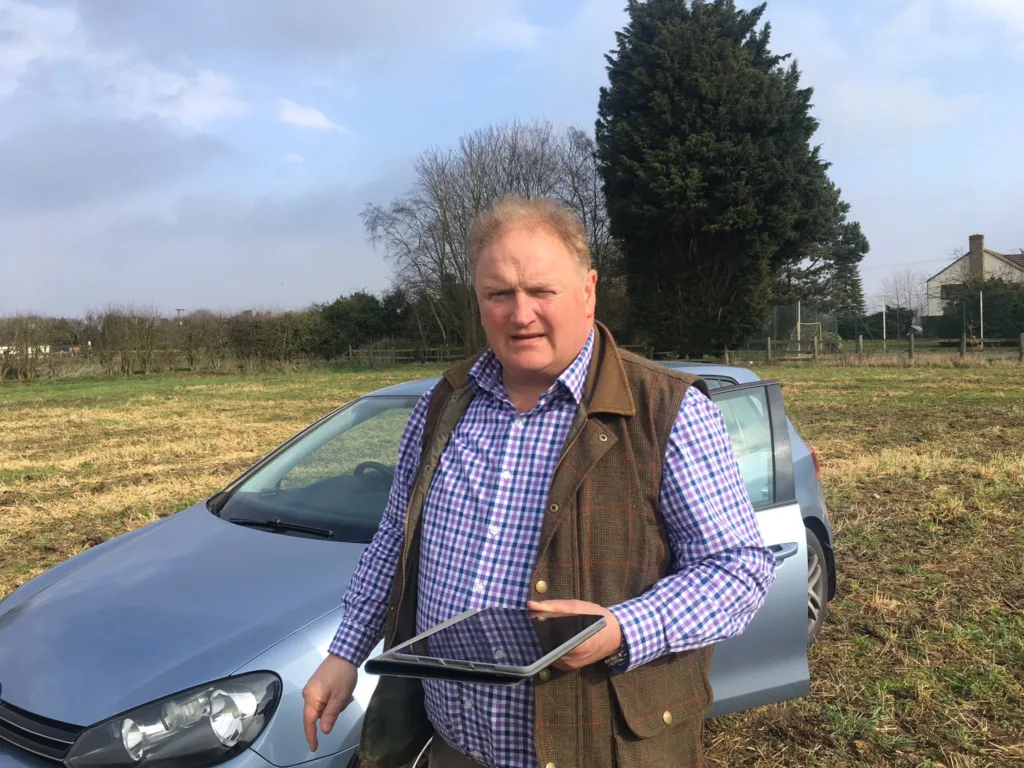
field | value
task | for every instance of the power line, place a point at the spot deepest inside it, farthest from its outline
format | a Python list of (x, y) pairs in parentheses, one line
[(908, 263)]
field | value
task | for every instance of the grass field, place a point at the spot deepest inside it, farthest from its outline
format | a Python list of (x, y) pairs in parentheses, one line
[(921, 662)]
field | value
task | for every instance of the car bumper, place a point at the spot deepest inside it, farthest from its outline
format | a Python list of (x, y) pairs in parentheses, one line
[(12, 757)]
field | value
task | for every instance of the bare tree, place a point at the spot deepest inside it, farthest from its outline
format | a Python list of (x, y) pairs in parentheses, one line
[(907, 288), (425, 233)]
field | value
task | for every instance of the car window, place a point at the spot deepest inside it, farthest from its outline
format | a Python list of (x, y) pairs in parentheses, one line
[(337, 477), (749, 423), (374, 440)]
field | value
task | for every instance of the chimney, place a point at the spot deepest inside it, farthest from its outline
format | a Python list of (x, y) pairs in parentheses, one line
[(976, 257)]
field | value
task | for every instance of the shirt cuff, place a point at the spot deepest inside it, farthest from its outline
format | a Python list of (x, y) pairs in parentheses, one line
[(352, 643), (641, 629)]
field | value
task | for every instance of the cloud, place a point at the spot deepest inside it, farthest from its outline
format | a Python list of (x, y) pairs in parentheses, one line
[(46, 50), (47, 166), (293, 159), (1009, 13), (325, 31), (192, 100), (307, 117), (218, 251)]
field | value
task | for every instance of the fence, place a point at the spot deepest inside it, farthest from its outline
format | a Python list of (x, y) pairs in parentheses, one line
[(409, 355)]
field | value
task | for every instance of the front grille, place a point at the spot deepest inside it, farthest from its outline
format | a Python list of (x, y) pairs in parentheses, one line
[(39, 735)]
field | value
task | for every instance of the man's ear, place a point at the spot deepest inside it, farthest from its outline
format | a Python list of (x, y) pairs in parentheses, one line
[(590, 292)]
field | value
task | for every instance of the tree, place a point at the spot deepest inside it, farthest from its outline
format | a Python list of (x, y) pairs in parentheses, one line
[(425, 233), (999, 301), (907, 288), (713, 189)]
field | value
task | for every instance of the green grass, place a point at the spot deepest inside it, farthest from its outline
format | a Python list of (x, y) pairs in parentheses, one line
[(921, 662)]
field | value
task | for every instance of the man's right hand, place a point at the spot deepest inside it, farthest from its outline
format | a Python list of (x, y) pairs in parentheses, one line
[(326, 694)]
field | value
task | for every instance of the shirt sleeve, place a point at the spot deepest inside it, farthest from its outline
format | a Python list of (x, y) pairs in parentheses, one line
[(365, 604), (721, 569)]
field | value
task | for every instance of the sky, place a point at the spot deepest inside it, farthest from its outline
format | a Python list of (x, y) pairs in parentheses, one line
[(196, 154)]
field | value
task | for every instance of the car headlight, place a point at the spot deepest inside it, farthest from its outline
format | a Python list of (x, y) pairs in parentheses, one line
[(199, 727)]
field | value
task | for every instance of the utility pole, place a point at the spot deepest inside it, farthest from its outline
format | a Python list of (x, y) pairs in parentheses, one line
[(981, 315), (798, 324), (883, 324)]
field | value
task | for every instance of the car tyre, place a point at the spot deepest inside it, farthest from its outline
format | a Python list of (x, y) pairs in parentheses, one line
[(817, 586)]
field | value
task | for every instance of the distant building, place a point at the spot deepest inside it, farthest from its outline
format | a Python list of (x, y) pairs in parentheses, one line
[(979, 263)]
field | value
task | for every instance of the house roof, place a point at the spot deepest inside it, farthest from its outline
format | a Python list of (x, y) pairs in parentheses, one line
[(1016, 258), (951, 264), (1013, 259)]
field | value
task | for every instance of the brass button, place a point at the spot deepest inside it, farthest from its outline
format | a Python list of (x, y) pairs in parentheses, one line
[(544, 675), (667, 717), (603, 437), (553, 508), (550, 765), (542, 586)]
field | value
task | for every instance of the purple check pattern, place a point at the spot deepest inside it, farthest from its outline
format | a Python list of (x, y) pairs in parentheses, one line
[(481, 528)]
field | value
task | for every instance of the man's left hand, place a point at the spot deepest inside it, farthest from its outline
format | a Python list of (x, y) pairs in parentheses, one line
[(593, 649)]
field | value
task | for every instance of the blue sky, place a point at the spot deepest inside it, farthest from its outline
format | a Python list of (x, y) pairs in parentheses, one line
[(201, 154)]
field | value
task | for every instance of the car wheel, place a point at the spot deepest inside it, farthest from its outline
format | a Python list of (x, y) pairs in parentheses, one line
[(817, 587)]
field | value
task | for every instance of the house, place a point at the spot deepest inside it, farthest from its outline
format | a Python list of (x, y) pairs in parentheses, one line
[(979, 263)]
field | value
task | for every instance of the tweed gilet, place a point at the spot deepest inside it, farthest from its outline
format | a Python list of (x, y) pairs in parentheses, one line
[(602, 540)]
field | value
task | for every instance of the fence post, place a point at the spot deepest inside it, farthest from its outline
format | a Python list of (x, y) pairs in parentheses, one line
[(816, 345), (727, 356), (963, 346), (860, 343), (911, 337), (770, 347)]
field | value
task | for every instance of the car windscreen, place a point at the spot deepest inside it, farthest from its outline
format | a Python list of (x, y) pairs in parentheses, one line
[(336, 478)]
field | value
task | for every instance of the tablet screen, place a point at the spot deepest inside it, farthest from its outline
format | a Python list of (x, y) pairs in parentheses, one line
[(512, 637)]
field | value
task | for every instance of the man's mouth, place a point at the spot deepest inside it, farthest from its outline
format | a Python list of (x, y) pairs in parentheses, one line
[(520, 337)]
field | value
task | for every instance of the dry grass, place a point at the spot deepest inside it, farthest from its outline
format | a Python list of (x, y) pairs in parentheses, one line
[(921, 662)]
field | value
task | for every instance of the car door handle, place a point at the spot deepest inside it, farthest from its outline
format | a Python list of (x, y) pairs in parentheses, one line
[(784, 551)]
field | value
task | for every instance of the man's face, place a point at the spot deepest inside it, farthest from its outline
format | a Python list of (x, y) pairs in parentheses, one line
[(536, 302)]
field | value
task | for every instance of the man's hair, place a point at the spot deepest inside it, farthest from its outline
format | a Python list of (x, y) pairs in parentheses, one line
[(543, 213)]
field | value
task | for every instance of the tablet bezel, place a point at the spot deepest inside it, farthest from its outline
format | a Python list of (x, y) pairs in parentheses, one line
[(397, 662)]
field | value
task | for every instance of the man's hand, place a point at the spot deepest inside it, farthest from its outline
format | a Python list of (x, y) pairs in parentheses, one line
[(326, 694), (593, 649)]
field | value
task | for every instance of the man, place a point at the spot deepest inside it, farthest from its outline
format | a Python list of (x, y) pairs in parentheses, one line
[(557, 472)]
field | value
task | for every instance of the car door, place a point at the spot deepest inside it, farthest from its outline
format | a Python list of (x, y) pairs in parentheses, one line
[(768, 661)]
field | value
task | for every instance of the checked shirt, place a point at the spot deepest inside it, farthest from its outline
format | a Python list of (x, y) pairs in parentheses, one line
[(481, 528)]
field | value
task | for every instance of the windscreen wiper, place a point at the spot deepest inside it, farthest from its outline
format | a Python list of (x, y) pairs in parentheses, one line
[(276, 524)]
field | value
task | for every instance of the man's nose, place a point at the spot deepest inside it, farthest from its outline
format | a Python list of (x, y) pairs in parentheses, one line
[(522, 310)]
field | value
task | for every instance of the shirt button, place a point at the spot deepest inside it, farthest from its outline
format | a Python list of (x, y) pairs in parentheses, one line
[(499, 654), (475, 754), (478, 587), (468, 703), (518, 421), (506, 475), (494, 530), (542, 586)]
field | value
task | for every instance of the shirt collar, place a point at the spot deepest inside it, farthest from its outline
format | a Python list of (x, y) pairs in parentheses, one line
[(485, 373)]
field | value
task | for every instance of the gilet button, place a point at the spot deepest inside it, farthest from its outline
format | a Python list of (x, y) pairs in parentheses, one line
[(542, 586), (667, 717), (544, 675), (603, 437), (550, 765)]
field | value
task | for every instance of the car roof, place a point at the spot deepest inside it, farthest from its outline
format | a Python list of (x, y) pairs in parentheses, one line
[(417, 387)]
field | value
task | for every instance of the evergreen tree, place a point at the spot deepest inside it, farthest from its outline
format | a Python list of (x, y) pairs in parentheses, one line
[(712, 186)]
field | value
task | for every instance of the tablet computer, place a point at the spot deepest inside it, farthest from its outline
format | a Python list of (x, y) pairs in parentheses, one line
[(496, 646)]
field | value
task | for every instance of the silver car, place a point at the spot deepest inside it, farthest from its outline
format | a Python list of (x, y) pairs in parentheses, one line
[(188, 641)]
